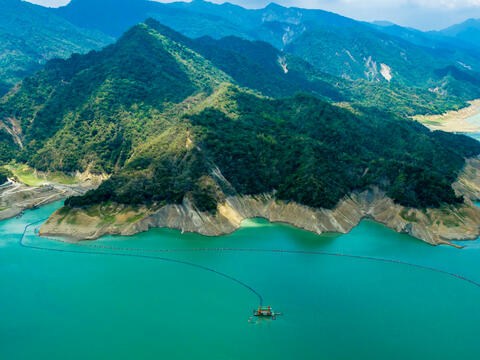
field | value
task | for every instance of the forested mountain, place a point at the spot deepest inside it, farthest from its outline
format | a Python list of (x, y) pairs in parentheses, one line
[(194, 19), (432, 68), (169, 119), (30, 35)]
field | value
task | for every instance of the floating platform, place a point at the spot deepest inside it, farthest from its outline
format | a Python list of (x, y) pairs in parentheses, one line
[(265, 311)]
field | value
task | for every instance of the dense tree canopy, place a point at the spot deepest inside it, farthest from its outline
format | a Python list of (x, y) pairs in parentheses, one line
[(302, 148), (171, 118)]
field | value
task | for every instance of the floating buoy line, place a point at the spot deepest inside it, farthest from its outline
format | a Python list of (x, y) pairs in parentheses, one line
[(262, 310), (176, 261)]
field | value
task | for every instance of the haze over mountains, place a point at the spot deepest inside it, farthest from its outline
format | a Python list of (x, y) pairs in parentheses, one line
[(468, 31)]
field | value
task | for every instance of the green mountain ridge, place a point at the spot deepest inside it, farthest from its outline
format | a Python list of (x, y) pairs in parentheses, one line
[(275, 24), (144, 69), (260, 66), (162, 115), (405, 61)]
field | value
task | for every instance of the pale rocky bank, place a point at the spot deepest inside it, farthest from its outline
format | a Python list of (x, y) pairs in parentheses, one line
[(453, 121), (434, 226), (16, 197)]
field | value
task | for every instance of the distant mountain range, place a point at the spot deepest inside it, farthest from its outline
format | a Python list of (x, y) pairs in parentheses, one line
[(404, 60), (332, 43)]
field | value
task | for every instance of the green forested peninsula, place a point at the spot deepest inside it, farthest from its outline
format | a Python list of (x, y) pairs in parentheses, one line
[(169, 117)]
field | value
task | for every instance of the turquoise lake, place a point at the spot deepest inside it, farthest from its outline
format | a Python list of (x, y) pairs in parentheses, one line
[(56, 305)]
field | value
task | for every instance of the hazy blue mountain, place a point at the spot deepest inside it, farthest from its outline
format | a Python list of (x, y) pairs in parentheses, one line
[(468, 32), (383, 23), (191, 19), (455, 49), (333, 43)]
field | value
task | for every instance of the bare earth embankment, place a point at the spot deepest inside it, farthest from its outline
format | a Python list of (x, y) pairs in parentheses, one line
[(32, 189), (435, 226), (453, 121)]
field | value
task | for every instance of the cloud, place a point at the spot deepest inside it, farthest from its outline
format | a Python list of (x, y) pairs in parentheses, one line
[(50, 3), (446, 4), (432, 4)]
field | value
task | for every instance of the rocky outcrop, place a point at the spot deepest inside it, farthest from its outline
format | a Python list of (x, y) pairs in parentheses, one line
[(434, 226), (453, 121)]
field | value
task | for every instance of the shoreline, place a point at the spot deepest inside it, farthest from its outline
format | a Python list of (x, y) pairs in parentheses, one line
[(30, 189), (68, 239), (15, 198), (453, 121), (435, 226)]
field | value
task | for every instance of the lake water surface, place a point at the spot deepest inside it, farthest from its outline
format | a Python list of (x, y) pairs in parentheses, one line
[(475, 120), (90, 306)]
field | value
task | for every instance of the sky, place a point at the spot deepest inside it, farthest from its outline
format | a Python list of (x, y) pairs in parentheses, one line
[(420, 14)]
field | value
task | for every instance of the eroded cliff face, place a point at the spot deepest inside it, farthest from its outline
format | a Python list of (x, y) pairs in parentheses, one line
[(435, 226)]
